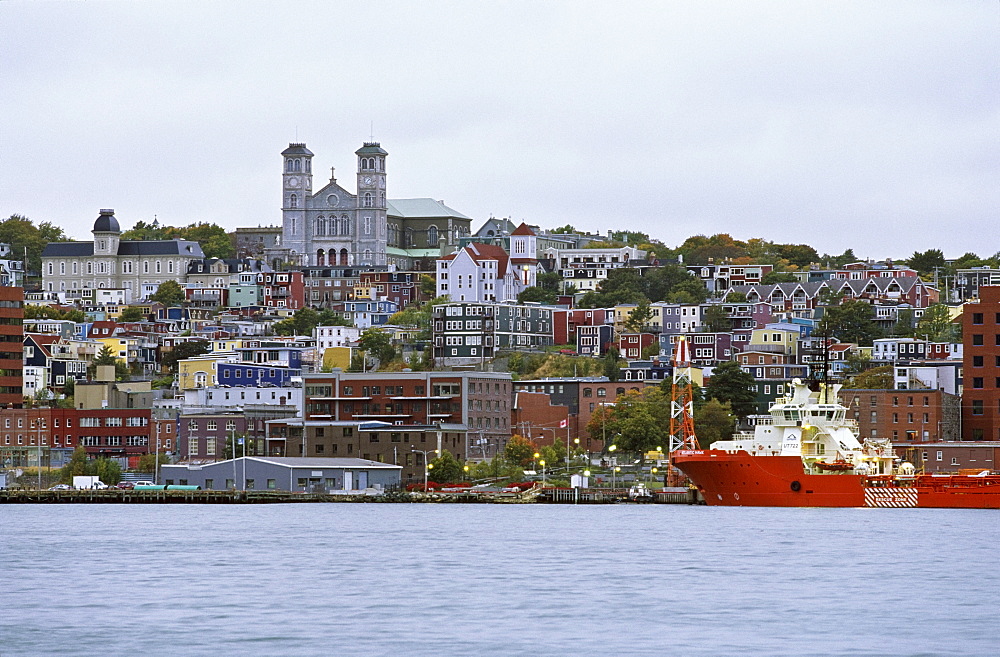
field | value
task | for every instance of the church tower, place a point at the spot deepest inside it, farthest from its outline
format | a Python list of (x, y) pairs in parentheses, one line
[(371, 230), (296, 190)]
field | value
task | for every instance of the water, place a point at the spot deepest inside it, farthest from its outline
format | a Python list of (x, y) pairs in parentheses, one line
[(452, 580)]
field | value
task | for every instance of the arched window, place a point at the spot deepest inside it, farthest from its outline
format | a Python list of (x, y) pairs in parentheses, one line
[(343, 256), (170, 266), (368, 255), (345, 224), (157, 266), (332, 226), (74, 267), (62, 267), (289, 167), (298, 165), (50, 269), (368, 200), (320, 225), (320, 257), (145, 266), (432, 236), (90, 268), (293, 201)]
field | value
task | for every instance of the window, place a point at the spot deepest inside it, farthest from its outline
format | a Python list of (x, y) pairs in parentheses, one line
[(977, 406), (977, 382), (977, 318), (977, 339), (977, 361)]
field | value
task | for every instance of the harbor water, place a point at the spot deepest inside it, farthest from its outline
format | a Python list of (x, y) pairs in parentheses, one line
[(453, 580)]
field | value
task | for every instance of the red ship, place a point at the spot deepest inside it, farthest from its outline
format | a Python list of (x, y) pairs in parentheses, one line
[(807, 453)]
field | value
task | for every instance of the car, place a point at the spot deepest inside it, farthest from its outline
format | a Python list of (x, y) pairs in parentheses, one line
[(143, 483), (61, 487), (125, 485)]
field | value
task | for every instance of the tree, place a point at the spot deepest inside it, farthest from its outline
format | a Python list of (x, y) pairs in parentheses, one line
[(717, 320), (877, 378), (903, 327), (568, 229), (536, 294), (611, 363), (106, 356), (445, 469), (639, 318), (519, 450), (131, 314), (169, 293), (214, 240), (925, 263), (79, 464), (936, 324), (428, 286), (147, 462), (378, 344), (108, 471), (639, 421), (773, 277), (731, 384), (714, 421), (851, 321), (168, 361), (25, 237)]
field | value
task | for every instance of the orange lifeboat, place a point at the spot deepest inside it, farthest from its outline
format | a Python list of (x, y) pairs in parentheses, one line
[(834, 466)]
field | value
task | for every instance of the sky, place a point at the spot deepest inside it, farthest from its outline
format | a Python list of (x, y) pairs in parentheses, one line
[(866, 125)]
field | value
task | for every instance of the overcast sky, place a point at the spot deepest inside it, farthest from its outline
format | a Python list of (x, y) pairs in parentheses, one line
[(869, 125)]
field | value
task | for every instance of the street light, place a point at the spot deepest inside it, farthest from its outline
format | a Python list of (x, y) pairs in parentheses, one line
[(427, 465), (542, 463), (466, 469), (614, 475)]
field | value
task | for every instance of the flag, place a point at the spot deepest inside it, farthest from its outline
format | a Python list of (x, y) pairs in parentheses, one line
[(563, 424)]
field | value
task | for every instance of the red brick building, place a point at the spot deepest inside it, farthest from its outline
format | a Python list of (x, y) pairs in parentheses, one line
[(981, 364), (903, 416), (11, 347), (953, 456)]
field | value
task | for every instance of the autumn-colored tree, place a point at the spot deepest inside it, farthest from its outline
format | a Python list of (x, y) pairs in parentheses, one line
[(519, 450)]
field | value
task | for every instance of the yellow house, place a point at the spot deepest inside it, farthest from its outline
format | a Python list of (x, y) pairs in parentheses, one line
[(199, 371), (337, 357), (226, 345), (776, 338), (124, 349)]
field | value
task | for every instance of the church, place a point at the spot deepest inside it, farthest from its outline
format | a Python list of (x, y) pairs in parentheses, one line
[(333, 226)]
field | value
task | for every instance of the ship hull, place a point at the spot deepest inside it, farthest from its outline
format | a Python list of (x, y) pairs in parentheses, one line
[(741, 479)]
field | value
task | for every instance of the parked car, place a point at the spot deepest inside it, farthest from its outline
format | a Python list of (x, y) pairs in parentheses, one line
[(61, 487), (125, 485), (143, 483)]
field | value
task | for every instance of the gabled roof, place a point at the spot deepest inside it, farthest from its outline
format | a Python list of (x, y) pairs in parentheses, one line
[(102, 329), (523, 229)]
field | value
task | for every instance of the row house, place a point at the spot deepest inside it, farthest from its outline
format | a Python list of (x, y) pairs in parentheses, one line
[(654, 370), (400, 287), (329, 337), (903, 416), (328, 287), (968, 281), (857, 271), (935, 375), (709, 349), (366, 313), (567, 321), (719, 278), (631, 346), (465, 333), (198, 296), (230, 374), (594, 340), (282, 289), (52, 362), (805, 296), (890, 350)]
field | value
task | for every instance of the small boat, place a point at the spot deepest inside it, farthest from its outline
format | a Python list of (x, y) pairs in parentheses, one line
[(834, 466)]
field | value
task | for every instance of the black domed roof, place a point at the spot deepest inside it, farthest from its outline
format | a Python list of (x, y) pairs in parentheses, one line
[(106, 223)]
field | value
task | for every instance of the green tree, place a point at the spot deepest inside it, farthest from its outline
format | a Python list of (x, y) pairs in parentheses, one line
[(731, 384), (378, 344), (926, 262), (519, 450), (611, 363), (717, 320), (445, 469), (773, 277), (851, 321), (147, 462), (108, 470), (49, 312), (169, 293), (903, 327), (936, 324), (168, 361), (214, 240), (131, 314), (428, 286), (568, 229), (639, 318), (144, 232), (79, 464), (25, 237), (877, 378), (714, 421), (537, 294)]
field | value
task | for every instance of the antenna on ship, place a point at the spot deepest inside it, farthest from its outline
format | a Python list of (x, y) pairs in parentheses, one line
[(682, 434)]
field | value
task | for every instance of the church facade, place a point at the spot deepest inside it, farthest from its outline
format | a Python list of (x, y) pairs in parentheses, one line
[(333, 226)]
